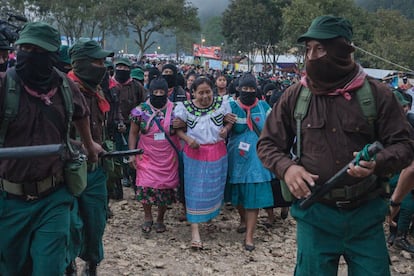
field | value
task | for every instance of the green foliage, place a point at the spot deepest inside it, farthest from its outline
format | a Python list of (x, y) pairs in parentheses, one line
[(391, 40), (406, 7), (212, 32), (386, 34), (249, 25), (148, 17), (75, 18), (298, 16)]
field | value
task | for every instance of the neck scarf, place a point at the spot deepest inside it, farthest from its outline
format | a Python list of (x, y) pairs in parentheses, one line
[(352, 85), (102, 102), (248, 108), (44, 97), (156, 111)]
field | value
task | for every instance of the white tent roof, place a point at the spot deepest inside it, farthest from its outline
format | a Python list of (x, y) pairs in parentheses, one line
[(280, 59), (378, 73)]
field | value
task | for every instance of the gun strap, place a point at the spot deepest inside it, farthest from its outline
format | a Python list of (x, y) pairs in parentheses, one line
[(368, 107), (68, 99), (301, 109), (166, 135), (11, 104)]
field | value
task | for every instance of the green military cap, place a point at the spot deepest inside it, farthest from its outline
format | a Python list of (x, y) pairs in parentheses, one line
[(124, 61), (63, 54), (40, 34), (88, 49), (137, 73), (328, 27)]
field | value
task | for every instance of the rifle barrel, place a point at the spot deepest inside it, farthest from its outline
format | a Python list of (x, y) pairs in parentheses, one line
[(111, 154), (31, 151)]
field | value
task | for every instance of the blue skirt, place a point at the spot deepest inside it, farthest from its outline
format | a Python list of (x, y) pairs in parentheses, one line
[(250, 195), (204, 187)]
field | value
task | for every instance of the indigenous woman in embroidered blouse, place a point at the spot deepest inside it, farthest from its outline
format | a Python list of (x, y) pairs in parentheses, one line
[(157, 167), (249, 183), (205, 155)]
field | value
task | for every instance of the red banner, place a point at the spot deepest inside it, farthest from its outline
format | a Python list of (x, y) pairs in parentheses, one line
[(213, 52)]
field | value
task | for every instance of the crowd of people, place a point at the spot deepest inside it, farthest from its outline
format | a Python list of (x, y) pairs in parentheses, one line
[(208, 137)]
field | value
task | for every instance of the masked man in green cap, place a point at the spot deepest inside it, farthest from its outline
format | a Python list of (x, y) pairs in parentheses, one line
[(347, 221), (88, 70), (35, 203), (126, 93)]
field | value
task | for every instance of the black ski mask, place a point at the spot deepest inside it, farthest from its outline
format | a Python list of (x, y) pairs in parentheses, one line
[(122, 76), (247, 98), (171, 80), (35, 69), (158, 84), (158, 101)]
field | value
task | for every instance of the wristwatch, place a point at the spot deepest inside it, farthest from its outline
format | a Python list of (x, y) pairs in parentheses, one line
[(394, 204)]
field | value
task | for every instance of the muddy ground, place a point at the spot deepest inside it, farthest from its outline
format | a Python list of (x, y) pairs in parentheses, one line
[(129, 252)]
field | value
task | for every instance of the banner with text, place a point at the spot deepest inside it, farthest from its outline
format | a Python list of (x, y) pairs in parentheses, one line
[(213, 52)]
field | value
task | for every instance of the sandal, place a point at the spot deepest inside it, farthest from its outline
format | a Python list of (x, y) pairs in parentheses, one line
[(196, 245), (146, 227), (249, 247), (160, 227)]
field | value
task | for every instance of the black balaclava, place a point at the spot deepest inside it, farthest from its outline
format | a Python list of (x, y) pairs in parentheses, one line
[(334, 70), (156, 84), (247, 80), (269, 87), (122, 76), (171, 79), (88, 72), (35, 69), (153, 73)]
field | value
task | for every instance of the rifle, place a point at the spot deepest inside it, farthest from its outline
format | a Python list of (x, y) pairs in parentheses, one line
[(54, 149), (335, 180)]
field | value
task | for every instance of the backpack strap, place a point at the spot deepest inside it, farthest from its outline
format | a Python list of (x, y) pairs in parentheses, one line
[(11, 105), (365, 99), (68, 100), (301, 109), (367, 103)]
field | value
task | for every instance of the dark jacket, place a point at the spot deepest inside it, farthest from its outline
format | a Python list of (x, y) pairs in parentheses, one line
[(33, 127), (333, 129)]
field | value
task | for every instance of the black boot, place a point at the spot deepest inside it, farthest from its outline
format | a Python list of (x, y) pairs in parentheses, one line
[(402, 242), (71, 269), (89, 269)]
